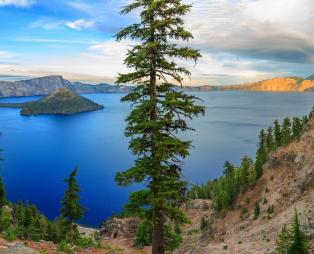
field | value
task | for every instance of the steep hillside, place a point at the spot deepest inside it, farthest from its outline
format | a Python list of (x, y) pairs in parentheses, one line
[(287, 184)]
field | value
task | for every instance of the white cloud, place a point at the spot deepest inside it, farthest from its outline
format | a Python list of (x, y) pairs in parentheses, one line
[(5, 55), (48, 40), (240, 40), (17, 3), (261, 29), (80, 24), (46, 23)]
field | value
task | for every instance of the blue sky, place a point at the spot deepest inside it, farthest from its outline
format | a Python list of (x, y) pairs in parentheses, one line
[(240, 40)]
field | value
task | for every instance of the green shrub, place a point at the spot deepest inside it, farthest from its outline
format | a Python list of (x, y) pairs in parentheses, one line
[(10, 234), (244, 210), (143, 234), (5, 220), (257, 211), (87, 242), (65, 247)]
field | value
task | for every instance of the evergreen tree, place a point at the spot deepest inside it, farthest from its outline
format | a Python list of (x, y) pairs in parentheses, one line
[(261, 154), (299, 241), (143, 236), (252, 177), (245, 174), (305, 119), (283, 241), (296, 128), (293, 241), (286, 131), (3, 200), (230, 182), (270, 145), (71, 211), (159, 112), (277, 133), (28, 215), (257, 210)]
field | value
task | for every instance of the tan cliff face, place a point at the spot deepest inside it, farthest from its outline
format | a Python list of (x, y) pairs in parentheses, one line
[(276, 85), (307, 84)]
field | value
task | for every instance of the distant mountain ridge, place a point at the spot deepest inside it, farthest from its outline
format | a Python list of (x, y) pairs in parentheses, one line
[(48, 84), (310, 77), (290, 84)]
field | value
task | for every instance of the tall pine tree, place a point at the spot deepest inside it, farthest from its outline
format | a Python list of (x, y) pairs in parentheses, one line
[(296, 128), (71, 211), (286, 131), (277, 133), (261, 154), (270, 140), (159, 112)]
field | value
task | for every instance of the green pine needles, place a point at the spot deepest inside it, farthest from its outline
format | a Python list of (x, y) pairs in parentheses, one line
[(71, 211), (159, 113), (293, 241)]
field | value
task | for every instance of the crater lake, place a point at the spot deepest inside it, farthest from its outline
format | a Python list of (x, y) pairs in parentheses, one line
[(40, 152)]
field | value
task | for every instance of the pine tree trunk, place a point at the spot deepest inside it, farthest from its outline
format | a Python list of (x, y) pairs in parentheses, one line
[(157, 237), (71, 231), (157, 234)]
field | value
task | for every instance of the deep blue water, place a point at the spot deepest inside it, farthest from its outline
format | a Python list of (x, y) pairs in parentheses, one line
[(41, 151)]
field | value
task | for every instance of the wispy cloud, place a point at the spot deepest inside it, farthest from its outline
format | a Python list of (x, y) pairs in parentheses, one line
[(80, 24), (6, 55), (46, 23), (48, 40), (17, 3), (104, 14)]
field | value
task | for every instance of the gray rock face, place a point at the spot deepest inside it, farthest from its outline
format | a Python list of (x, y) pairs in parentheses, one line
[(48, 84), (18, 248), (116, 228), (38, 86)]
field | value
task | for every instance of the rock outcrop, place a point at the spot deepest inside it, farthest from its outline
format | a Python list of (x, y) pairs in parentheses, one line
[(119, 228)]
